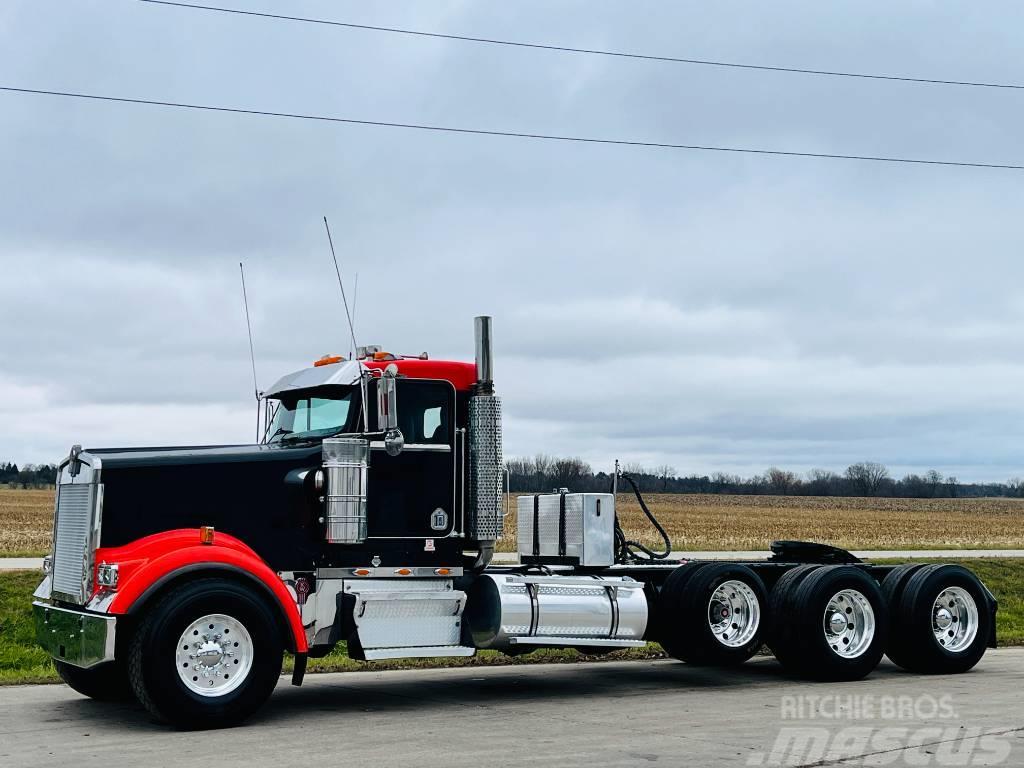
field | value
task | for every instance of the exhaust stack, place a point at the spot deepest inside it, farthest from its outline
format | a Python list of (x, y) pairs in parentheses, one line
[(484, 356), (486, 467)]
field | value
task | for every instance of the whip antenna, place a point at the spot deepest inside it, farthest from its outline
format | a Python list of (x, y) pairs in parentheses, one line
[(341, 285), (355, 300), (351, 328), (252, 350)]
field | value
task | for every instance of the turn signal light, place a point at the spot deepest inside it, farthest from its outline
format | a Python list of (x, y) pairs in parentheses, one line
[(383, 356), (206, 534), (328, 360)]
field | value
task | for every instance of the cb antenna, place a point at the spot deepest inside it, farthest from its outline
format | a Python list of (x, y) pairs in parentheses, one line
[(341, 284), (351, 327), (355, 300), (252, 351)]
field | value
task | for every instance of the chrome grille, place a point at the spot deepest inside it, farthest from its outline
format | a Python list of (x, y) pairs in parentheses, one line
[(72, 540)]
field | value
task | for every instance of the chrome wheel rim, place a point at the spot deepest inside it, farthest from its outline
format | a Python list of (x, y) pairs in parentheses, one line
[(849, 623), (734, 613), (214, 655), (955, 619)]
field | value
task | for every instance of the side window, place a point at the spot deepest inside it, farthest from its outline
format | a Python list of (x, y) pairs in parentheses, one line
[(431, 422), (425, 411)]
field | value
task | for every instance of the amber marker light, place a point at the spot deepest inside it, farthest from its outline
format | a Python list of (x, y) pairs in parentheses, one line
[(403, 571), (361, 572), (328, 360), (442, 571)]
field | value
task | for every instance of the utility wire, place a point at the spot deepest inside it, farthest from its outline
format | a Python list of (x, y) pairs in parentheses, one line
[(507, 134), (588, 51)]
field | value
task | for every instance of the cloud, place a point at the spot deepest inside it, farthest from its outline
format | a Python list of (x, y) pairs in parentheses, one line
[(706, 310)]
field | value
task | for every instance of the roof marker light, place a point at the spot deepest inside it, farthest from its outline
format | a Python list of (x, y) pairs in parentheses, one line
[(328, 360)]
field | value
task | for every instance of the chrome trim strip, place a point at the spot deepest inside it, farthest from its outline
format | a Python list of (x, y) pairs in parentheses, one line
[(576, 641), (378, 445), (426, 651), (388, 572)]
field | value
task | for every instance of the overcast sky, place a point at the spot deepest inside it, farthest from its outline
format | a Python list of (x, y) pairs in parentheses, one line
[(704, 310)]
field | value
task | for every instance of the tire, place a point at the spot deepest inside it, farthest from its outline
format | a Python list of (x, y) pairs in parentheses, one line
[(666, 616), (170, 638), (780, 615), (839, 627), (104, 682), (892, 590), (719, 614), (929, 647)]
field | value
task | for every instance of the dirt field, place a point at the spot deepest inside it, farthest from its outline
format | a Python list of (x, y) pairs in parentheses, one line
[(699, 522), (714, 522), (26, 518)]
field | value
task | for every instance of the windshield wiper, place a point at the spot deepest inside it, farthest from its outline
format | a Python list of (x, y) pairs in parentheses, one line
[(279, 431)]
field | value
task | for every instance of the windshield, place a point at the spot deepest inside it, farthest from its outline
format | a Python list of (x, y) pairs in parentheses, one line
[(299, 416)]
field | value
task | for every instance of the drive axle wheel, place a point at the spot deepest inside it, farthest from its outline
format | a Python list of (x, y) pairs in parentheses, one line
[(941, 621), (780, 614), (207, 655), (715, 616), (838, 627)]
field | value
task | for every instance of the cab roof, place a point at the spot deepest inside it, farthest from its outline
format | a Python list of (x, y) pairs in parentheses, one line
[(346, 373)]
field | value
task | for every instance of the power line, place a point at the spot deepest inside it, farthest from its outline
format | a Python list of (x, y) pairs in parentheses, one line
[(588, 51), (506, 134)]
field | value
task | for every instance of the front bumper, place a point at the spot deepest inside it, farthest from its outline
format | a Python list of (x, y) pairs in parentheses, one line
[(76, 637)]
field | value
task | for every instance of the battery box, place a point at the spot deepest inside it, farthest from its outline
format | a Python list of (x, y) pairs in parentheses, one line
[(566, 528)]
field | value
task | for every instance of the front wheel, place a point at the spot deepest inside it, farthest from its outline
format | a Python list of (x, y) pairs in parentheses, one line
[(208, 655)]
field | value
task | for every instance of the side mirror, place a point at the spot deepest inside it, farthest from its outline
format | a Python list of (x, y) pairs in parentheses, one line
[(387, 411)]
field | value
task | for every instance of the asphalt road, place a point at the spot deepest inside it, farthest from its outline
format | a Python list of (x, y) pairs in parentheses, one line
[(601, 714)]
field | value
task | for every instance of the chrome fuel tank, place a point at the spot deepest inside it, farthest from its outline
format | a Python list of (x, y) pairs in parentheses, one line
[(508, 610)]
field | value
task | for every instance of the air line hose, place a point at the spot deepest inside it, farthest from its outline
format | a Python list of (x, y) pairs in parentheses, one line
[(627, 551)]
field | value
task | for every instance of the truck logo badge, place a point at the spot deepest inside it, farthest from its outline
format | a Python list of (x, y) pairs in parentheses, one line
[(439, 519), (428, 545), (302, 586)]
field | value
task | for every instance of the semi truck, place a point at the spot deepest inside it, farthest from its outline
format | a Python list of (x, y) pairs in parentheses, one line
[(368, 513)]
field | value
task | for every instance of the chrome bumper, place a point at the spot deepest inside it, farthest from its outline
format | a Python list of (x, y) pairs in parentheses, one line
[(76, 637)]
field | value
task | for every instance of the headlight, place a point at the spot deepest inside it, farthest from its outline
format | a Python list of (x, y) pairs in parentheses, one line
[(106, 575)]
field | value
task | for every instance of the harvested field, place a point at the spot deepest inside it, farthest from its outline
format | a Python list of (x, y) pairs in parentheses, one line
[(26, 518), (722, 522), (707, 522)]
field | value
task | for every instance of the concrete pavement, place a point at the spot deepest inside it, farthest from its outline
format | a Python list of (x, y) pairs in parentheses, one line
[(601, 714)]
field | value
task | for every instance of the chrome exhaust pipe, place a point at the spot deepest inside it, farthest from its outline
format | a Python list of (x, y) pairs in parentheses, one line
[(484, 356)]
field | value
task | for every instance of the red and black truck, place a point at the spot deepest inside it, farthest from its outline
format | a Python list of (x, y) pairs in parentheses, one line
[(368, 513)]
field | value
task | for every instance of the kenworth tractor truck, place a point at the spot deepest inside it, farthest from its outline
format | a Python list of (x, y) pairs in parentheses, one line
[(182, 575)]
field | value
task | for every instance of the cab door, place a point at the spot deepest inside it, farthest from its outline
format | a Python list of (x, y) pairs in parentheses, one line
[(412, 495)]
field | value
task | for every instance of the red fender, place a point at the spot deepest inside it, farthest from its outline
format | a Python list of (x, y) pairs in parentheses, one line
[(145, 562)]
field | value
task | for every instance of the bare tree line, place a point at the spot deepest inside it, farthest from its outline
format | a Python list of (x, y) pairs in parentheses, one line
[(543, 473)]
